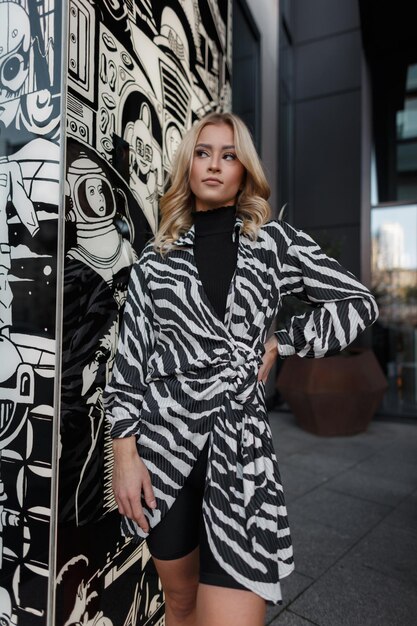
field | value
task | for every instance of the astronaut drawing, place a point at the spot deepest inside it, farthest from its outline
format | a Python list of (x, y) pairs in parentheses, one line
[(143, 176), (96, 274), (11, 189), (93, 209)]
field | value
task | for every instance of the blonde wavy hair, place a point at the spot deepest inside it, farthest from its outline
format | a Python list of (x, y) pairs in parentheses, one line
[(177, 203)]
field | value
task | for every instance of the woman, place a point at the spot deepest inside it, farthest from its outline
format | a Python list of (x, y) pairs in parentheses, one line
[(195, 469)]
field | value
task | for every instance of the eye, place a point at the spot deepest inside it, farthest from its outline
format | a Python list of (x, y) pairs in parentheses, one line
[(230, 156), (13, 73), (12, 68), (201, 153), (148, 153)]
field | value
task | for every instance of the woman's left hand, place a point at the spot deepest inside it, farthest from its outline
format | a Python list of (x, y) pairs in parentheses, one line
[(268, 359)]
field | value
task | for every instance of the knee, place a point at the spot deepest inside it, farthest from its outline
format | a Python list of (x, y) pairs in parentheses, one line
[(181, 602)]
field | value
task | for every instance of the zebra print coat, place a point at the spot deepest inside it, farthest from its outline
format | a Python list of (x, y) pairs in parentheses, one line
[(181, 375)]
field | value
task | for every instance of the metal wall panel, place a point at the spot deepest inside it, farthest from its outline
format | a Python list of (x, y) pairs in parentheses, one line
[(30, 174)]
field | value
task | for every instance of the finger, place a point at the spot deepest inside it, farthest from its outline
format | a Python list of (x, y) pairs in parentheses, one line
[(125, 508), (139, 517), (124, 503), (148, 493)]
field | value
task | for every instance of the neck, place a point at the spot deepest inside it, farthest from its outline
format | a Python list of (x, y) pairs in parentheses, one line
[(214, 220), (202, 209)]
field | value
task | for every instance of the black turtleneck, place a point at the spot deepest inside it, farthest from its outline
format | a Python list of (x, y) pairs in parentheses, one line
[(215, 253)]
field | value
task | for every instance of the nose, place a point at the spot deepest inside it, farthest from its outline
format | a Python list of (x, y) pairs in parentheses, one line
[(214, 165)]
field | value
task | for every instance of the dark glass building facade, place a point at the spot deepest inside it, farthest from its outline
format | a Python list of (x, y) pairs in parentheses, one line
[(348, 159), (390, 49)]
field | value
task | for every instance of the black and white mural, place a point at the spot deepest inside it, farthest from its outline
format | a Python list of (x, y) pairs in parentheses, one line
[(30, 105), (140, 72)]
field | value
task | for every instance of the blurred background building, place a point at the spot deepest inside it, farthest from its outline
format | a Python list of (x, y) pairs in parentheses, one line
[(345, 162)]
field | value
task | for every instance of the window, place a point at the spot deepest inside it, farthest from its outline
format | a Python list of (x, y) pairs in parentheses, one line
[(388, 34), (394, 284)]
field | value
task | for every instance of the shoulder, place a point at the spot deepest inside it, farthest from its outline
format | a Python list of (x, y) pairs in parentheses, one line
[(147, 255), (278, 232), (278, 227), (284, 234), (140, 265), (149, 262), (148, 251)]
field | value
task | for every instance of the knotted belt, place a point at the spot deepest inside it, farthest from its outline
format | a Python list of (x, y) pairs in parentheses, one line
[(241, 372), (241, 380)]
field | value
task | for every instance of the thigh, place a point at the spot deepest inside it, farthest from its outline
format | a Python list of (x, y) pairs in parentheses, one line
[(229, 607), (179, 577), (178, 533)]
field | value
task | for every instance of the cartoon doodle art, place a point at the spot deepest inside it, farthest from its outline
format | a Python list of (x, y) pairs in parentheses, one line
[(139, 74), (26, 98), (14, 57), (93, 209), (87, 586), (162, 65), (6, 613), (83, 598), (96, 272), (26, 471), (29, 194), (143, 178), (12, 189)]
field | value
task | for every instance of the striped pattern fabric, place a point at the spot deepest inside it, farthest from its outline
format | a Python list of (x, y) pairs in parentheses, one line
[(181, 375)]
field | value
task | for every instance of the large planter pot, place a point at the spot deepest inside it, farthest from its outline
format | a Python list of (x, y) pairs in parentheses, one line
[(335, 395)]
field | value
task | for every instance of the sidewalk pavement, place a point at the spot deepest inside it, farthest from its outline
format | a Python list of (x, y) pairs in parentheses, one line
[(352, 507)]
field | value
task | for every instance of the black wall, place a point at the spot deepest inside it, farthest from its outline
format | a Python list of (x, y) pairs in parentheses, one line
[(327, 123)]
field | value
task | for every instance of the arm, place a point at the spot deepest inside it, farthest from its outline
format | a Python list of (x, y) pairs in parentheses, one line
[(123, 397), (124, 393), (343, 306)]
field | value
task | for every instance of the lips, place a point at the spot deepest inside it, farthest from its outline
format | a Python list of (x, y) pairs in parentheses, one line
[(212, 180)]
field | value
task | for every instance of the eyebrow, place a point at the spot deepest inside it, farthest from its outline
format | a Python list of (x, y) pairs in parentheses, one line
[(208, 145)]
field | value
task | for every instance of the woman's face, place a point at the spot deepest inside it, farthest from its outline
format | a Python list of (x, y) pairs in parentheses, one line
[(95, 196), (216, 173)]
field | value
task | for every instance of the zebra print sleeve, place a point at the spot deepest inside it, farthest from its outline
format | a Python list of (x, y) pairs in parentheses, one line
[(343, 306), (124, 393)]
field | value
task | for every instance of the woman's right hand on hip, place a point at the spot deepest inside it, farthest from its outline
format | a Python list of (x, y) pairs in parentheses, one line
[(130, 478)]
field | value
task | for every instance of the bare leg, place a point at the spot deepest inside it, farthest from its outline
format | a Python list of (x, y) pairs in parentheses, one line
[(229, 607), (179, 579)]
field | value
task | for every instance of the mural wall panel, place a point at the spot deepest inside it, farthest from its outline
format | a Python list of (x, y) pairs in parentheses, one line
[(30, 107), (140, 72)]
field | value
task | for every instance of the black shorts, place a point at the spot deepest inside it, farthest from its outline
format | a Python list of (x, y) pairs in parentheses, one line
[(182, 529)]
